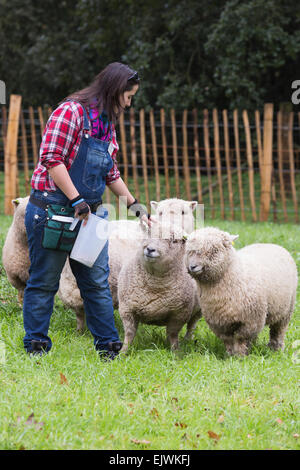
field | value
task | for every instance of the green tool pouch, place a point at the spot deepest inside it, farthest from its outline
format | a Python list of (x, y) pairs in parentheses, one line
[(57, 234)]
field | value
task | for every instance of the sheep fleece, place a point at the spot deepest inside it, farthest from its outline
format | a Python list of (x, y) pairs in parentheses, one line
[(258, 288)]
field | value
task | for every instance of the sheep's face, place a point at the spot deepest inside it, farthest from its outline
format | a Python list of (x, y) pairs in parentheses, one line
[(177, 212), (209, 252), (163, 247)]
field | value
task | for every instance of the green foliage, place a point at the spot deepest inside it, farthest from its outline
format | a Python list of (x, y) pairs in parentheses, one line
[(261, 40), (225, 53)]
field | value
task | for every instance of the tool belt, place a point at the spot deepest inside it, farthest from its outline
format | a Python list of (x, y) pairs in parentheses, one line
[(57, 234), (43, 204)]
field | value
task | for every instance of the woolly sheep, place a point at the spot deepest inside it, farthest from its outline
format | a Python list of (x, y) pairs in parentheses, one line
[(155, 288), (15, 254), (244, 290), (123, 238)]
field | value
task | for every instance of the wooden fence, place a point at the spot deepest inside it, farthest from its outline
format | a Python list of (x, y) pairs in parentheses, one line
[(240, 165)]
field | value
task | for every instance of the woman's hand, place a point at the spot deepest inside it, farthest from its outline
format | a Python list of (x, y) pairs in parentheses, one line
[(82, 212), (147, 220), (81, 208)]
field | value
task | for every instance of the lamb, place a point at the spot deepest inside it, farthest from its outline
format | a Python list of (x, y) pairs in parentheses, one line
[(244, 290), (155, 288), (15, 253)]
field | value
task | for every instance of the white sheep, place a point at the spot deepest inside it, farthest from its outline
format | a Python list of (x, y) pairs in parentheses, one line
[(123, 239), (15, 253), (155, 288), (244, 290)]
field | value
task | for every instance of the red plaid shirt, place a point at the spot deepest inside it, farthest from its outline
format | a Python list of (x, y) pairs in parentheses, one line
[(60, 144)]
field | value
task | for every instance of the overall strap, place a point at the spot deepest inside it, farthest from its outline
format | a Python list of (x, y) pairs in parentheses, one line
[(86, 122)]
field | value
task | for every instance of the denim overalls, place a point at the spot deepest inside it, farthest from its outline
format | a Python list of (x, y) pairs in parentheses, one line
[(88, 172)]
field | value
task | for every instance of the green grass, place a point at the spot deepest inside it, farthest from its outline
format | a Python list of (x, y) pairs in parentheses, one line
[(172, 401)]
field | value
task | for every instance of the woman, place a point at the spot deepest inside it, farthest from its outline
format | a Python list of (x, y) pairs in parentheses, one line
[(77, 160)]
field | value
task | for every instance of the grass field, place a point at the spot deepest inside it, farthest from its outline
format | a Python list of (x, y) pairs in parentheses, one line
[(151, 398)]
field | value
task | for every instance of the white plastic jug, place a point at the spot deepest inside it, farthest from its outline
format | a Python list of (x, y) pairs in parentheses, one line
[(90, 240)]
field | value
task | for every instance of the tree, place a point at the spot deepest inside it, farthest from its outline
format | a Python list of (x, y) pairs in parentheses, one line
[(256, 50), (189, 53)]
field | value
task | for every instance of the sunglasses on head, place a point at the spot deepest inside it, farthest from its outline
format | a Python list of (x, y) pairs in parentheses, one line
[(134, 76)]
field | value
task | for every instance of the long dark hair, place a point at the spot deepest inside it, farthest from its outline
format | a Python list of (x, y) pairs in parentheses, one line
[(104, 91)]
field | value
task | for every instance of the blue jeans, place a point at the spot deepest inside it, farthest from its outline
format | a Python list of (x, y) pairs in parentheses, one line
[(43, 283)]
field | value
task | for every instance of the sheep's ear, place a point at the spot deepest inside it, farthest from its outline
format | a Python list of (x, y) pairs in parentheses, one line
[(193, 205), (185, 237), (154, 205), (15, 202), (233, 238)]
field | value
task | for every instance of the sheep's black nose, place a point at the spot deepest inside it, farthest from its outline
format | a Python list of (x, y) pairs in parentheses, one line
[(193, 267), (150, 250)]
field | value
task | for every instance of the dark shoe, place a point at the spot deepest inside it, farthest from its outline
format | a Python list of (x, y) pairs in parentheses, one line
[(38, 348), (112, 352)]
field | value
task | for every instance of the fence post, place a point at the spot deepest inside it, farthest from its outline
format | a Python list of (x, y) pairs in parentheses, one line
[(186, 168), (238, 162), (292, 166), (42, 122), (165, 152), (228, 163), (197, 156), (207, 160), (33, 135), (25, 153), (218, 160), (267, 163), (4, 126), (133, 153), (250, 164), (155, 156), (175, 152), (280, 164), (286, 108), (144, 156), (10, 159)]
